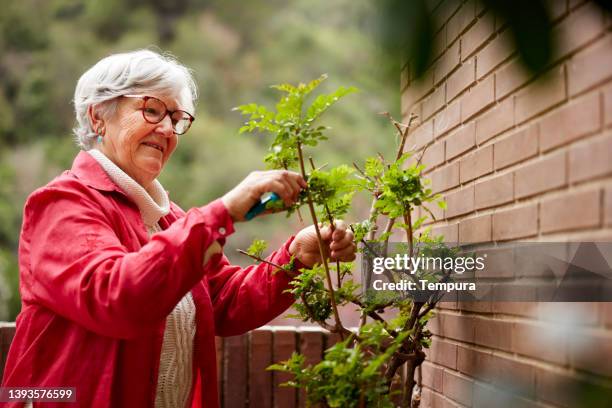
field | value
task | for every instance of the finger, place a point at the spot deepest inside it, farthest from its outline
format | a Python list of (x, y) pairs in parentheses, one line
[(291, 186), (340, 245), (294, 180), (345, 255), (343, 238), (299, 179), (340, 230), (326, 233), (275, 186)]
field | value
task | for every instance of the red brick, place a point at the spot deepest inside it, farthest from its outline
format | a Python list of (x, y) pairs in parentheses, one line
[(447, 305), (461, 79), (495, 121), (282, 348), (414, 111), (545, 174), (605, 313), (575, 3), (607, 106), (591, 66), (477, 164), (434, 102), (474, 230), (459, 22), (608, 206), (495, 334), (423, 134), (581, 313), (437, 212), (443, 13), (445, 178), (457, 327), (509, 78), (420, 87), (450, 232), (487, 396), (515, 223), (540, 96), (432, 376), (235, 376), (472, 362), (557, 9), (408, 101), (458, 388), (439, 44), (570, 211), (566, 390), (460, 141), (525, 309), (496, 191), (578, 29), (443, 353), (460, 202), (260, 380), (499, 264), (517, 147), (447, 119), (510, 374), (447, 63), (496, 52), (478, 98), (541, 341), (591, 159), (434, 155), (477, 35), (570, 122), (477, 306)]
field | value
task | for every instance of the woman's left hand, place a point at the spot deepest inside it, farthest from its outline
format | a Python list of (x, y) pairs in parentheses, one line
[(338, 245)]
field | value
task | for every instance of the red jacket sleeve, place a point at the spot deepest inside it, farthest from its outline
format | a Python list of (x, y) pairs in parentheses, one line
[(246, 298), (74, 263)]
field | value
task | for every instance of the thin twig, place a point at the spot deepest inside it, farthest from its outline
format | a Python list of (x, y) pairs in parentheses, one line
[(313, 215), (257, 258)]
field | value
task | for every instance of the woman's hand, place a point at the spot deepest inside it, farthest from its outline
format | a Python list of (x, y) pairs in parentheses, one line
[(287, 184), (339, 245)]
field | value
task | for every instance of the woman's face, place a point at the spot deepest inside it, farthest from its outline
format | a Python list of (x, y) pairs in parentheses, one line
[(139, 148)]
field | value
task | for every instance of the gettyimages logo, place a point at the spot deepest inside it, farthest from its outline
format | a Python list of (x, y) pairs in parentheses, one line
[(578, 271)]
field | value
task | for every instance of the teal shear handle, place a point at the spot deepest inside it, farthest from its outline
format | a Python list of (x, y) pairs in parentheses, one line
[(261, 206)]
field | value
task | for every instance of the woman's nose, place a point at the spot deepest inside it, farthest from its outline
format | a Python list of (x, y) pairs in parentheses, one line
[(165, 126)]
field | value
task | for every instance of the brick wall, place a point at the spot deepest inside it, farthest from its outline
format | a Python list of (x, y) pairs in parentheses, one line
[(517, 158)]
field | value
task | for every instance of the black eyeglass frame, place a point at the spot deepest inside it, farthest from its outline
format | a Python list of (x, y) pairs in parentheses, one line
[(145, 98)]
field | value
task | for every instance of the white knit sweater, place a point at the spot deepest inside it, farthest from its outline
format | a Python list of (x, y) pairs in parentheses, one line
[(175, 366)]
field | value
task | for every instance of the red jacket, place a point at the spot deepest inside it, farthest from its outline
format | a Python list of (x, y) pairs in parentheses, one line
[(96, 291)]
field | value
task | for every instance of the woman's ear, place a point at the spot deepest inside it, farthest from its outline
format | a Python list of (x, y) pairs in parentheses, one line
[(97, 123)]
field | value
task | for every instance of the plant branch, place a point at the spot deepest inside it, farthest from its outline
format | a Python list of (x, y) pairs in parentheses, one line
[(313, 214), (257, 258)]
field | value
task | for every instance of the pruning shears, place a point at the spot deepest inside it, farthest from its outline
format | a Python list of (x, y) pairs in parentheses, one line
[(262, 205)]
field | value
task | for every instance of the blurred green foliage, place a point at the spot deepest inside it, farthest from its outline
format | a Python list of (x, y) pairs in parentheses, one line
[(236, 50)]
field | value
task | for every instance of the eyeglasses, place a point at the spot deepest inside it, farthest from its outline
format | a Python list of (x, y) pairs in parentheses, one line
[(155, 110)]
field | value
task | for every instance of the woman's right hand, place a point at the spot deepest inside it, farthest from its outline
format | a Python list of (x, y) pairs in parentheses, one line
[(287, 184)]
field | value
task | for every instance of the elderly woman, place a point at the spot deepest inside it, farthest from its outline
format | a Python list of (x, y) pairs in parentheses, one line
[(122, 291)]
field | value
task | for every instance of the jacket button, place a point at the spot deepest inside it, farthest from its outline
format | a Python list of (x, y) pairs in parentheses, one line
[(222, 230)]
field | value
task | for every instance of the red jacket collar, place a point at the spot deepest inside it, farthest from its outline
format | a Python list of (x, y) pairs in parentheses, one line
[(87, 169)]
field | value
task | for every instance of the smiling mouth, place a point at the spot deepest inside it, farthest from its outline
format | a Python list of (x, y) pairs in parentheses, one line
[(155, 146)]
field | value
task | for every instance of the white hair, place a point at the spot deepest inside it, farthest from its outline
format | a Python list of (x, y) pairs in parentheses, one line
[(127, 73)]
